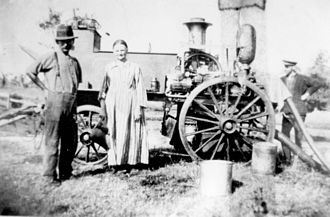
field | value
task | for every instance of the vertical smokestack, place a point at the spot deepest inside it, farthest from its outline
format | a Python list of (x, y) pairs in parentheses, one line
[(197, 30)]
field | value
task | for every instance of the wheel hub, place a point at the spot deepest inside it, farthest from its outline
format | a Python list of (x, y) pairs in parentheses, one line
[(227, 125), (85, 138)]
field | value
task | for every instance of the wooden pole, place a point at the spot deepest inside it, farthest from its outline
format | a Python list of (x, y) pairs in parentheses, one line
[(11, 120), (300, 153), (302, 128)]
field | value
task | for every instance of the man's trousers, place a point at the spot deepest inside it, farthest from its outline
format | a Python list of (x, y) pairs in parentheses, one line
[(287, 124), (60, 135)]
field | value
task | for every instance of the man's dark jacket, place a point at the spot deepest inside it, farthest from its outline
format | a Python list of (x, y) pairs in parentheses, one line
[(301, 85)]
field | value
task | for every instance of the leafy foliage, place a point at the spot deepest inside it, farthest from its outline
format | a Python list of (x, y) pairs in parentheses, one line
[(320, 67), (321, 72), (54, 18), (77, 22)]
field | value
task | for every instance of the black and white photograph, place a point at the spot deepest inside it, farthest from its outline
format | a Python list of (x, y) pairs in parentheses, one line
[(165, 108)]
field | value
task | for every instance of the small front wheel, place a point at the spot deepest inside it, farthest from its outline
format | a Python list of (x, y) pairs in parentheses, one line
[(92, 148)]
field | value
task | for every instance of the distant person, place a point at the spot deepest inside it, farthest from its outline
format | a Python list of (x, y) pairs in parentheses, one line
[(62, 76), (301, 88), (123, 101)]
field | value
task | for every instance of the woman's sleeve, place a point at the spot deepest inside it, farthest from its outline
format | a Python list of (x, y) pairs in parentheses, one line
[(141, 91), (105, 86)]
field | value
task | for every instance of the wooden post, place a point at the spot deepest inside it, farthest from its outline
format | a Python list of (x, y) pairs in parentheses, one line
[(5, 100)]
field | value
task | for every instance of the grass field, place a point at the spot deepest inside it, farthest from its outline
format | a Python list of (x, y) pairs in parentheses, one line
[(168, 187)]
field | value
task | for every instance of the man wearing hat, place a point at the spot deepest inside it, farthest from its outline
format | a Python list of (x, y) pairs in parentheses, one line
[(62, 75), (301, 87)]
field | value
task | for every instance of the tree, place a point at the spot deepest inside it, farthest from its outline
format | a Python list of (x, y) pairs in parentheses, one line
[(321, 72), (54, 18)]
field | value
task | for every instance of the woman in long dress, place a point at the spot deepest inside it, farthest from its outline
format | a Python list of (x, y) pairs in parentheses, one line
[(123, 101)]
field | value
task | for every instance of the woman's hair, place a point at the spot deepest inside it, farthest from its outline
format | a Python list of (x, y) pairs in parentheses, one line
[(120, 41)]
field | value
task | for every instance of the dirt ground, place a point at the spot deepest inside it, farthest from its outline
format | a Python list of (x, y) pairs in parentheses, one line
[(168, 187)]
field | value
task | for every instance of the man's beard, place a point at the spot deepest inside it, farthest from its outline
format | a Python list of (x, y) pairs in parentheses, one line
[(67, 48)]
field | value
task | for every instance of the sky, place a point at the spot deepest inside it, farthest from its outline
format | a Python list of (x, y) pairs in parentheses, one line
[(296, 29), (140, 22)]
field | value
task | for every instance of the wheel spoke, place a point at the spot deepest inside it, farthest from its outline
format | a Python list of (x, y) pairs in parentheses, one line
[(96, 124), (257, 122), (79, 151), (87, 156), (82, 120), (97, 154), (247, 143), (214, 99), (247, 106), (205, 143), (236, 103), (227, 149), (208, 111), (254, 124), (254, 117), (239, 148), (226, 99), (202, 119), (216, 148), (202, 131), (220, 147), (252, 129), (246, 140), (90, 114)]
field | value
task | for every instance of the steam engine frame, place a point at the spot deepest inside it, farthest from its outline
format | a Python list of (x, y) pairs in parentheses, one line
[(219, 115)]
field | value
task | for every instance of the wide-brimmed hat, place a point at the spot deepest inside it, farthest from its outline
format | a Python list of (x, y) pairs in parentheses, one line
[(289, 63), (197, 20), (64, 32)]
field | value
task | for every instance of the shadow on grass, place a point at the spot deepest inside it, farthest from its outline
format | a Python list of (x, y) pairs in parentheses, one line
[(236, 185), (91, 172), (8, 211), (59, 209), (159, 158)]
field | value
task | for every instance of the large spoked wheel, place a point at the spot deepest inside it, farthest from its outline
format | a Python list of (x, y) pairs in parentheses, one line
[(222, 119), (92, 147)]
